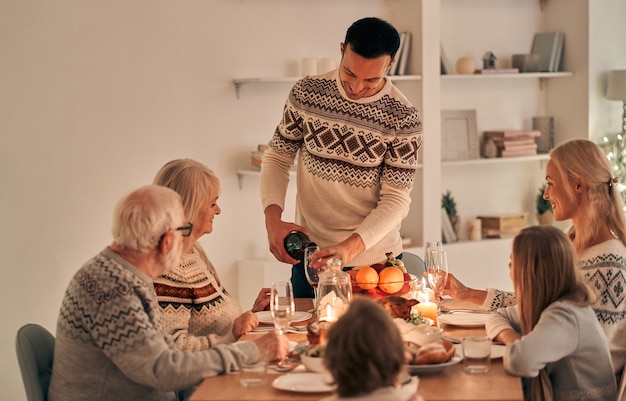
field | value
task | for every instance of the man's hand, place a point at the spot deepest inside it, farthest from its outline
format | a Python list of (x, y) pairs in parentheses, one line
[(345, 250), (277, 230), (275, 345)]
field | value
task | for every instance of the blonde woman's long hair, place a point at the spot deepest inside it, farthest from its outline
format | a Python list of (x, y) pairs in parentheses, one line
[(544, 269), (581, 160)]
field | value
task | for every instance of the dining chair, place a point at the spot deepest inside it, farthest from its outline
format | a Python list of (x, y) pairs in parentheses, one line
[(621, 391), (413, 264), (35, 351)]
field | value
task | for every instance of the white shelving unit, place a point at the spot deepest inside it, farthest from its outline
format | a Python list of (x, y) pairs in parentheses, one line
[(479, 181)]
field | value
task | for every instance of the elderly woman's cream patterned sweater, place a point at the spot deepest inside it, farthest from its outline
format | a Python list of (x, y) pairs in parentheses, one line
[(197, 310)]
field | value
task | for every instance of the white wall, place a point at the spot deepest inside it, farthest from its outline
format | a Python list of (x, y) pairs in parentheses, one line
[(96, 95)]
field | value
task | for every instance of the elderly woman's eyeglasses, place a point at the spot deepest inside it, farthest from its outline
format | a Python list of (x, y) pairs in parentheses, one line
[(186, 230)]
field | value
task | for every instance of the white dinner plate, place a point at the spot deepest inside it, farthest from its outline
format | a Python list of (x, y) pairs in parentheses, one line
[(266, 317), (307, 382), (435, 367), (497, 350), (463, 319)]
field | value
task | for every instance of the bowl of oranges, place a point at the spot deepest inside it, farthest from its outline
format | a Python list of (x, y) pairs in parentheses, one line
[(381, 279)]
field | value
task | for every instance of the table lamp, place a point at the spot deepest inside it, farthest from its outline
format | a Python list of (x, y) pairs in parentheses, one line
[(616, 90)]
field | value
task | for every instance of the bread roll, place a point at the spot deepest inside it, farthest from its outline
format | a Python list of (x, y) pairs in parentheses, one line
[(433, 353)]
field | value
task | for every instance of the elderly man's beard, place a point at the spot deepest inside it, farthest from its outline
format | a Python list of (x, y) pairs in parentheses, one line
[(171, 260)]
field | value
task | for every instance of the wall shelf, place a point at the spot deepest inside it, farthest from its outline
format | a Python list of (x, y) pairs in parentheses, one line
[(238, 82), (241, 174)]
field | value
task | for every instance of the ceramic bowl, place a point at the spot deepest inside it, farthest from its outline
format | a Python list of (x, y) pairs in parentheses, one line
[(425, 334), (313, 363)]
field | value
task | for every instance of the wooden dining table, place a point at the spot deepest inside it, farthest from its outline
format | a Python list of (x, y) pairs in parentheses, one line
[(449, 384)]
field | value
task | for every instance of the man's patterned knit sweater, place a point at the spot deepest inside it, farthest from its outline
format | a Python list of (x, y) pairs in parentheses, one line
[(356, 164), (110, 344)]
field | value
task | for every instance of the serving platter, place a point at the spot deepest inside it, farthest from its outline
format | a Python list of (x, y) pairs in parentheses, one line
[(307, 382), (265, 317), (433, 368)]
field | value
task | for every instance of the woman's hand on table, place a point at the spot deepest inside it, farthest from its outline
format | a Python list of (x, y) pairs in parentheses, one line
[(245, 323), (276, 345), (460, 292), (262, 301)]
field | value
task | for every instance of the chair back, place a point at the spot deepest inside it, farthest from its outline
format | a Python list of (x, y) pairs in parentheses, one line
[(35, 352), (621, 390), (413, 264)]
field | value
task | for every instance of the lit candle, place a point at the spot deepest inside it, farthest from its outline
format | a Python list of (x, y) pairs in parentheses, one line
[(429, 310)]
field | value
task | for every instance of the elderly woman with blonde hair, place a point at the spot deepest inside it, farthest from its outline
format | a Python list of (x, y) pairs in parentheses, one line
[(197, 310)]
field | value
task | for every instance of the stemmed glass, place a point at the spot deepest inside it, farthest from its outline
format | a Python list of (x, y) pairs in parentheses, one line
[(312, 274), (281, 304), (436, 269)]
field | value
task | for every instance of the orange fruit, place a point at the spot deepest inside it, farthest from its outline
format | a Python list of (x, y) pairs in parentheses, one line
[(367, 278), (391, 279)]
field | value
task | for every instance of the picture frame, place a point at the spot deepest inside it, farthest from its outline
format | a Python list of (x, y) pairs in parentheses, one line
[(459, 137)]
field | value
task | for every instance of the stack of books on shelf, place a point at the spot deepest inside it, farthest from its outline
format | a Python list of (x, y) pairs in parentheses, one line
[(549, 47), (503, 226), (257, 155), (513, 143)]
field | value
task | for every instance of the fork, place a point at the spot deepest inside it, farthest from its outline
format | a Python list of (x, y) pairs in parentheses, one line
[(288, 329)]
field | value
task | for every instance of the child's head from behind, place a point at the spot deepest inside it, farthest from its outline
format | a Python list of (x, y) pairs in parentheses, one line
[(364, 349), (543, 269)]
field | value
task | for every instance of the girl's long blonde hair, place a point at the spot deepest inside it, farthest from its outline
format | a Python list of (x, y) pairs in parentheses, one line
[(544, 270)]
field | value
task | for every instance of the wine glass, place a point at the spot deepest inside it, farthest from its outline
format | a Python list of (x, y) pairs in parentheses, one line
[(437, 271), (281, 304), (312, 274)]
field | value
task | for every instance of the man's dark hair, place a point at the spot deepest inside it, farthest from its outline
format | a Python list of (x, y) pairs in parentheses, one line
[(372, 37)]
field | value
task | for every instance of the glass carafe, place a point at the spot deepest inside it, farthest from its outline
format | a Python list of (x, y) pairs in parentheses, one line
[(334, 292)]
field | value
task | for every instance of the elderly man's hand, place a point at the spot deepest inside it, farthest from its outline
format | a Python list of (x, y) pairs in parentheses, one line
[(275, 345)]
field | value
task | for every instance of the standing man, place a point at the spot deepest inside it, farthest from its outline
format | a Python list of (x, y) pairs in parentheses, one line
[(357, 139), (110, 341)]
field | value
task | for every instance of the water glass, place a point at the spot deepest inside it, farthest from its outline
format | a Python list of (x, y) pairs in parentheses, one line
[(476, 354), (254, 373)]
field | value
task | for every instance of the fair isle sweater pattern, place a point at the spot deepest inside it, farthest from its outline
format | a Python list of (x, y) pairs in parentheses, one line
[(96, 308), (606, 273), (359, 144), (198, 312)]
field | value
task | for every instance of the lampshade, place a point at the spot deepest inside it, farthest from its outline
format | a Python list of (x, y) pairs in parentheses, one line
[(616, 88)]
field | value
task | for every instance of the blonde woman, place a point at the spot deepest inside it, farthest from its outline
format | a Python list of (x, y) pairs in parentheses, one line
[(197, 310), (552, 334), (581, 188)]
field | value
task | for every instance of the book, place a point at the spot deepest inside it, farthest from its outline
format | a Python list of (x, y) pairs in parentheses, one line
[(515, 142), (447, 230), (516, 147), (492, 71), (446, 66), (395, 67), (508, 134), (405, 54), (549, 46), (517, 153)]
